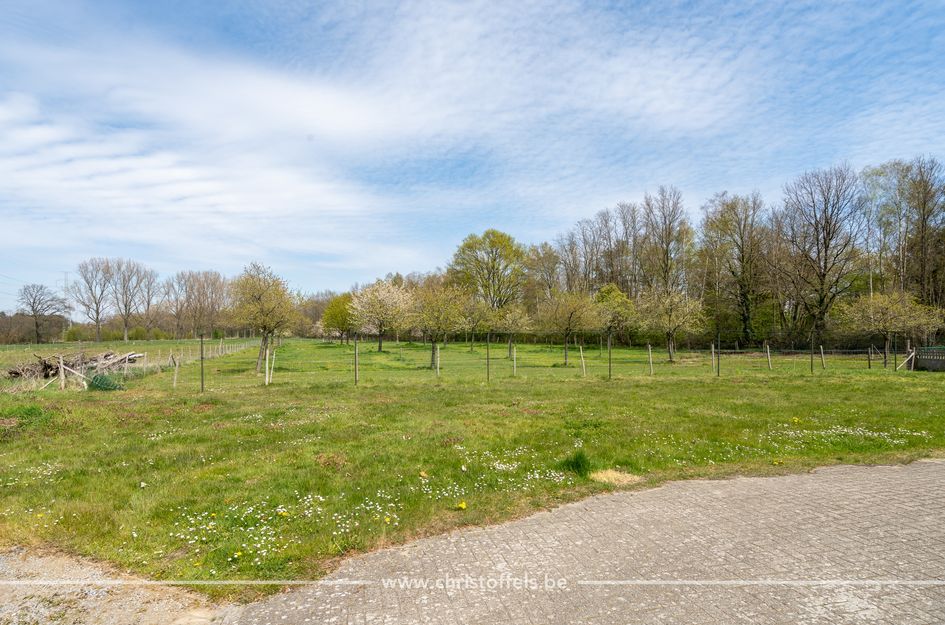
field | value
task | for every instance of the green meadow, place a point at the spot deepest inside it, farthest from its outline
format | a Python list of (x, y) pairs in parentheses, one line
[(249, 481)]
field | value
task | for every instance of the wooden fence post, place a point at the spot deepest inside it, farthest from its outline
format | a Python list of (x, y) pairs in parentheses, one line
[(583, 368), (823, 359), (768, 354), (62, 375), (514, 360), (610, 356), (356, 372), (649, 350), (812, 353), (718, 360), (437, 361), (488, 365), (201, 363), (713, 357)]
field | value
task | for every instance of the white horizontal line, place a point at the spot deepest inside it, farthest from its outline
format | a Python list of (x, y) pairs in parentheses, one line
[(762, 582), (364, 582), (184, 582)]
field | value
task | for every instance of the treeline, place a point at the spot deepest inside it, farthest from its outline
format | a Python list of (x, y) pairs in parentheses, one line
[(842, 256), (122, 299)]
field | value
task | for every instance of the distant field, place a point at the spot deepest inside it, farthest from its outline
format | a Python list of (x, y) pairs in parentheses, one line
[(255, 482)]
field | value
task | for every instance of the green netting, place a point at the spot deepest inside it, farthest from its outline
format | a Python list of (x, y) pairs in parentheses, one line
[(104, 383)]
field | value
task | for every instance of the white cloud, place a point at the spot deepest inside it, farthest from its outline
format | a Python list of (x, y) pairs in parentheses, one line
[(341, 162)]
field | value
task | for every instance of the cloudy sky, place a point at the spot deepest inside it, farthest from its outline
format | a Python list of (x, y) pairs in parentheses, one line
[(340, 141)]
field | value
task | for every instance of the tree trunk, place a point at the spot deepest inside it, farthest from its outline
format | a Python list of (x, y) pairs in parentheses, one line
[(671, 347), (98, 332), (886, 342), (380, 340), (433, 353), (566, 339), (510, 346), (263, 342), (125, 327), (36, 327)]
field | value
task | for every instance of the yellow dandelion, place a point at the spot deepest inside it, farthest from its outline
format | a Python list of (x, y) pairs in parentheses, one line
[(461, 505)]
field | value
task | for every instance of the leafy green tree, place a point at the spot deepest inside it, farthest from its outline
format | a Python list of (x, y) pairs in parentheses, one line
[(338, 316), (492, 266), (512, 319), (887, 314), (262, 301), (617, 311), (567, 313), (670, 313), (477, 317), (733, 243)]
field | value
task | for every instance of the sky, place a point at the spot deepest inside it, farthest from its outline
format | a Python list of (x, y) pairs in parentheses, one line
[(338, 142)]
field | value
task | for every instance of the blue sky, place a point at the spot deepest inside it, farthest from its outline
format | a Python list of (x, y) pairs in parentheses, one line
[(340, 141)]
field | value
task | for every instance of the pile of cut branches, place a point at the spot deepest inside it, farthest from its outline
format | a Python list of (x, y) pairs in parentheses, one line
[(48, 367)]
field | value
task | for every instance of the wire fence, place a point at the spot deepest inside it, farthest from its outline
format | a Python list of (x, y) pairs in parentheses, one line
[(302, 361)]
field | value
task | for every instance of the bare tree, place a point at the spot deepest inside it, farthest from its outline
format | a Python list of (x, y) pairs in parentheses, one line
[(668, 237), (216, 294), (92, 291), (125, 289), (151, 297), (175, 300), (569, 254), (823, 220), (925, 196), (542, 265), (40, 302), (205, 293), (631, 230)]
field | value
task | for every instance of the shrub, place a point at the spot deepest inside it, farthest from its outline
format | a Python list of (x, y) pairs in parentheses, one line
[(79, 332)]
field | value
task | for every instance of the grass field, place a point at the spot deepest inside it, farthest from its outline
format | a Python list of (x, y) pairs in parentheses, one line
[(253, 482)]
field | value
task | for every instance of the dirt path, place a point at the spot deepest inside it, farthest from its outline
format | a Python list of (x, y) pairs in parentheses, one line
[(29, 603)]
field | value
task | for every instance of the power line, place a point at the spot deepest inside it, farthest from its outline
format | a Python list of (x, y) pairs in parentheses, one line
[(3, 275)]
